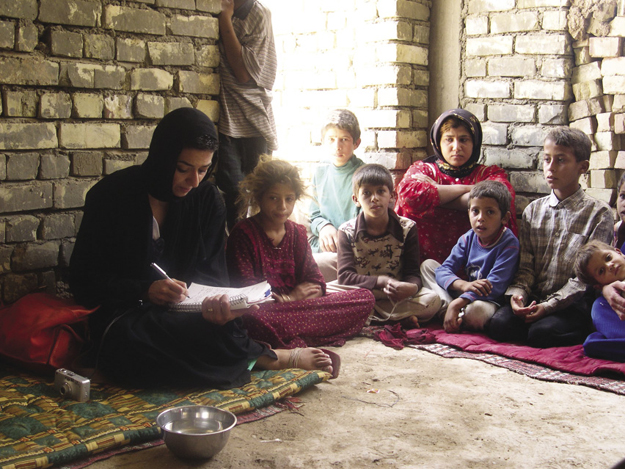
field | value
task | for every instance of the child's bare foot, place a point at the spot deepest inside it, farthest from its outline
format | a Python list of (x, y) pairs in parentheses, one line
[(306, 358), (410, 323)]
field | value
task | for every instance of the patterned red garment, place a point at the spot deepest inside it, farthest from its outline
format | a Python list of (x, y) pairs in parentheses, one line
[(328, 320), (440, 228)]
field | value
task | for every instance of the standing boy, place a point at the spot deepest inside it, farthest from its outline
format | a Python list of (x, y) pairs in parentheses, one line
[(379, 250), (247, 70), (487, 254), (547, 305), (331, 204)]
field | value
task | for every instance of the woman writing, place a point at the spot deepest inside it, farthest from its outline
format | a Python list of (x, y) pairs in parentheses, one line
[(435, 192), (164, 212)]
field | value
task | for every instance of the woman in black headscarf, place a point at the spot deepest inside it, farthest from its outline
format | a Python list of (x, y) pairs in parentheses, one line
[(435, 192), (164, 211)]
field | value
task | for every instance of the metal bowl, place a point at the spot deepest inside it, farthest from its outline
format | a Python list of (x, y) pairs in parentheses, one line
[(196, 431)]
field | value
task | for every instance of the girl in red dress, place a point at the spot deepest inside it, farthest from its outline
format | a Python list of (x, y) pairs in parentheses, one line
[(269, 246)]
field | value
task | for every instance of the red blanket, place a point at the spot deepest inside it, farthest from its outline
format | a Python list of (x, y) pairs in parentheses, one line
[(569, 359)]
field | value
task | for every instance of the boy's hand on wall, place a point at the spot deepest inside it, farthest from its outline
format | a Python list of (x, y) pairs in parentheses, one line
[(329, 238), (227, 8)]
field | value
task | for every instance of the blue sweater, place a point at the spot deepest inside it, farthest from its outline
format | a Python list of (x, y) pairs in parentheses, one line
[(497, 263)]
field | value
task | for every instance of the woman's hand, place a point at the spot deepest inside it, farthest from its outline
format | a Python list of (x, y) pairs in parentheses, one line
[(329, 238), (216, 309), (164, 292), (302, 291)]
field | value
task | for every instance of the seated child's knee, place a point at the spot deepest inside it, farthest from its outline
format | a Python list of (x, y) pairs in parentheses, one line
[(477, 314)]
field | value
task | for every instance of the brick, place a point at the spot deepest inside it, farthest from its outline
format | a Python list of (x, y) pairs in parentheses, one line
[(603, 178), (554, 20), (586, 108), (22, 166), (171, 53), (517, 158), (3, 174), (22, 229), (402, 139), (487, 46), (134, 20), (87, 164), (54, 167), (556, 68), (476, 25), (20, 104), (477, 109), (587, 89), (55, 106), (112, 165), (207, 56), (510, 23), (21, 197), (151, 79), (210, 108), (555, 114), (131, 50), (88, 106), (587, 72), (421, 34), (7, 35), (402, 97), (420, 78), (617, 26), (475, 67), (582, 55), (605, 122), (542, 3), (194, 26), (602, 159), (526, 181), (608, 141), (27, 136), (529, 135), (494, 134), (362, 97), (99, 46), (511, 67), (541, 44), (27, 37), (181, 4), (66, 44), (16, 286), (403, 9), (606, 195), (198, 83), (402, 53), (619, 124), (67, 248), (28, 71), (588, 125), (149, 106), (487, 89), (137, 136), (511, 113), (89, 135), (79, 75), (118, 107), (386, 75), (382, 118), (109, 77), (483, 6), (57, 226), (608, 101), (23, 9), (613, 66), (605, 46), (5, 258), (173, 103), (538, 89), (620, 160), (35, 256), (619, 103), (614, 84), (71, 193), (70, 12), (210, 6)]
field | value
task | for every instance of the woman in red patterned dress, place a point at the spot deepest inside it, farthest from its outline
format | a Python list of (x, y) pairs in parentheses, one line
[(270, 247), (435, 192)]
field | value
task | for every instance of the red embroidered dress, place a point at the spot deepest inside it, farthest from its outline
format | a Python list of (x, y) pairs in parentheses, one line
[(439, 227), (328, 320)]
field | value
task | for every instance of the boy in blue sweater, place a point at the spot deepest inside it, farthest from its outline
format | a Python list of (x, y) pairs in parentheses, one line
[(473, 279)]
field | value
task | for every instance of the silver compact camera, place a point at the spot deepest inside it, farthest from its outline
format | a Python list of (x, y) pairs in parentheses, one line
[(72, 386)]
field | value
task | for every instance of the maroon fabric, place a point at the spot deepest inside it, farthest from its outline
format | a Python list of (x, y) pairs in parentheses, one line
[(570, 359)]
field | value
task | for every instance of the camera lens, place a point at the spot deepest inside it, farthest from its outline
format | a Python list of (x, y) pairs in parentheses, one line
[(65, 389)]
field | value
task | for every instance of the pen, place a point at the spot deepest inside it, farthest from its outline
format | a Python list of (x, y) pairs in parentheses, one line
[(162, 273)]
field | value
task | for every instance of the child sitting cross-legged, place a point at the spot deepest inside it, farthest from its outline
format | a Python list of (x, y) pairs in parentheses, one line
[(268, 246), (474, 278), (600, 264), (379, 250)]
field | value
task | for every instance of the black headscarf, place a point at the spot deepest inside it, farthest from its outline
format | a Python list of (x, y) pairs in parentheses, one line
[(435, 139), (176, 131)]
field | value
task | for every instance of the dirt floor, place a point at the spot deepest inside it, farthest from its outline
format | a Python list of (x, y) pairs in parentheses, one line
[(430, 412)]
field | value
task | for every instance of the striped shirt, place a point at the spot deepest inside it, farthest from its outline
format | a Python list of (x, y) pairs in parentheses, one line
[(245, 108), (551, 233)]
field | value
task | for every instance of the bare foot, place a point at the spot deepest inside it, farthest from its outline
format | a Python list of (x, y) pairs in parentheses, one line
[(410, 323), (305, 358)]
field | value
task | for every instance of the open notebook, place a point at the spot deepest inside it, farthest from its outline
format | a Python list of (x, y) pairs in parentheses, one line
[(239, 297)]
